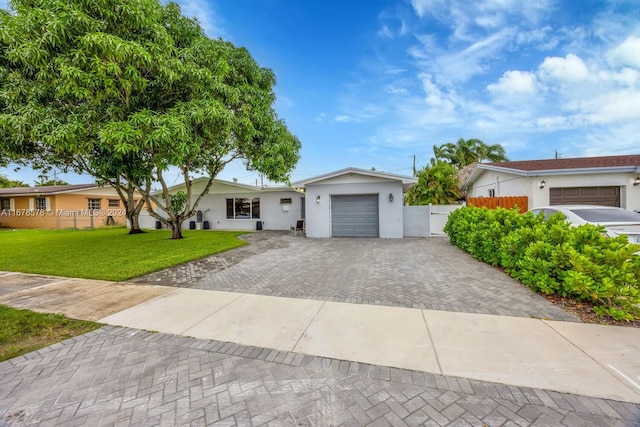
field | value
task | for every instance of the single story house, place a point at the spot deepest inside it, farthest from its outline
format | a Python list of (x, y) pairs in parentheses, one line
[(347, 203), (60, 206), (607, 180), (236, 206)]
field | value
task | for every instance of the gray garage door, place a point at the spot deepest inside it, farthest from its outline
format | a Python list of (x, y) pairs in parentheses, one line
[(354, 216), (605, 196)]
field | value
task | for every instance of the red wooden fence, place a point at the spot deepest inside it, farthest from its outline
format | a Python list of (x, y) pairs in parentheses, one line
[(521, 202)]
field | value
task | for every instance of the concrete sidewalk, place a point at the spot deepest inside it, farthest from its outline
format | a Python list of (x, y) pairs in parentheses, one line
[(589, 360)]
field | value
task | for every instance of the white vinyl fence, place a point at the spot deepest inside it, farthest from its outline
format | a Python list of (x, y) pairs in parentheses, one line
[(426, 221)]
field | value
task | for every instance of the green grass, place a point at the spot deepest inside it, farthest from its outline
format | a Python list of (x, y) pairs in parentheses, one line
[(106, 253), (24, 331)]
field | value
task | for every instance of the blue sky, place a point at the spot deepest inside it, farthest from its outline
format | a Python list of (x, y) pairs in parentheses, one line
[(371, 83)]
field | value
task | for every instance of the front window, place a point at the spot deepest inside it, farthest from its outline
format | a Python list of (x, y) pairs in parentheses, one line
[(245, 208), (6, 204), (492, 192), (114, 203), (41, 203), (94, 204)]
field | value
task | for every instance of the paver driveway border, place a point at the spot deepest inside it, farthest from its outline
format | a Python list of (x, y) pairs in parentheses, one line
[(425, 273)]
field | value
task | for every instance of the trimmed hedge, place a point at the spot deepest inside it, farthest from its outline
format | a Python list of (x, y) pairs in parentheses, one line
[(553, 257)]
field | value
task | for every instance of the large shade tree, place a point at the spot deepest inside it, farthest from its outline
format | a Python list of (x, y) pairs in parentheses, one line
[(128, 91)]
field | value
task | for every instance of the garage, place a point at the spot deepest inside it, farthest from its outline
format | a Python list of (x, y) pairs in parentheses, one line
[(354, 215), (605, 196)]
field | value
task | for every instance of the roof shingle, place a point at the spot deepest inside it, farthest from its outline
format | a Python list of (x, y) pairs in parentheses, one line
[(573, 163), (51, 189)]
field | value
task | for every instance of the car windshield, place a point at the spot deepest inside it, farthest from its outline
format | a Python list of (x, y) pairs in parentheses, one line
[(607, 215)]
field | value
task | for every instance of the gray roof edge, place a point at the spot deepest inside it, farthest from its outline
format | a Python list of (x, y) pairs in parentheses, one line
[(376, 174), (242, 186)]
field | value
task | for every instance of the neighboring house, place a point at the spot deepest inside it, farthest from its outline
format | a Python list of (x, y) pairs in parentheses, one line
[(60, 206), (355, 203), (610, 181), (236, 206)]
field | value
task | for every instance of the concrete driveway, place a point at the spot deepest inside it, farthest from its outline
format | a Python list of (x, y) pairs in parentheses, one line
[(419, 273)]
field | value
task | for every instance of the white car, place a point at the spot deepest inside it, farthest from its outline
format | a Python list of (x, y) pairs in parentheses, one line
[(616, 221)]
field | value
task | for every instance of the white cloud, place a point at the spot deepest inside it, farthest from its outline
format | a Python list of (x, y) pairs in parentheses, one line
[(396, 89), (542, 38), (424, 7), (514, 82), (609, 107), (466, 18), (462, 65), (570, 69), (434, 97), (342, 118), (394, 71), (626, 54), (552, 123)]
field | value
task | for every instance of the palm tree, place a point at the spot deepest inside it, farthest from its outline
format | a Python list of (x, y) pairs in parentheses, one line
[(465, 152)]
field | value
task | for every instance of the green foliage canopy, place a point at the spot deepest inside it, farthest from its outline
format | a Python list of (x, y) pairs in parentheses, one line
[(465, 152), (437, 184), (125, 90), (5, 182)]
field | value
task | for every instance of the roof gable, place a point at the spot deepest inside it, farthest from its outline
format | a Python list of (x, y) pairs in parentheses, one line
[(355, 171)]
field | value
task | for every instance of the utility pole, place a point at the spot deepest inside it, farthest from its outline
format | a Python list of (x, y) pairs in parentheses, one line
[(414, 165)]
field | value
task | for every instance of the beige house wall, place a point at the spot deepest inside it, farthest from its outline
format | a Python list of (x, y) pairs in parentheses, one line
[(64, 211)]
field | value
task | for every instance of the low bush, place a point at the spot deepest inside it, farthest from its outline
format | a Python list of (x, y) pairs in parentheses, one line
[(553, 257)]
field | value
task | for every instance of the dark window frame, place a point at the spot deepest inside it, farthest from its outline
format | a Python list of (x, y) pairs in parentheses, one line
[(243, 208), (91, 204), (40, 203)]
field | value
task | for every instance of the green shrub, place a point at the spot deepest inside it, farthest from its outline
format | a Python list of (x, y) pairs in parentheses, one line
[(553, 257)]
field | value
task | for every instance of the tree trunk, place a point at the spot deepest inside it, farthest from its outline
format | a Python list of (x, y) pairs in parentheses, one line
[(176, 230), (134, 222)]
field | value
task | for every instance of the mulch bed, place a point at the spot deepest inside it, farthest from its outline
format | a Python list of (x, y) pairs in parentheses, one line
[(584, 311)]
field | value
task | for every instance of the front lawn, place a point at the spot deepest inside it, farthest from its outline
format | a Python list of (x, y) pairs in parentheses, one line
[(24, 331), (106, 253)]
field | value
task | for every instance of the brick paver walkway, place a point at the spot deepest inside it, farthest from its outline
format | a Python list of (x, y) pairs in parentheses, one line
[(420, 273), (126, 377)]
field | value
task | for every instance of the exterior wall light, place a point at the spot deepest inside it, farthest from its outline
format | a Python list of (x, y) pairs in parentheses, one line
[(318, 199), (391, 197), (636, 181), (542, 184)]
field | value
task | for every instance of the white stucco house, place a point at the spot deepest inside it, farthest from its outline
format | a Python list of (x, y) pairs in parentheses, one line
[(346, 203), (355, 202), (608, 180), (237, 206)]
